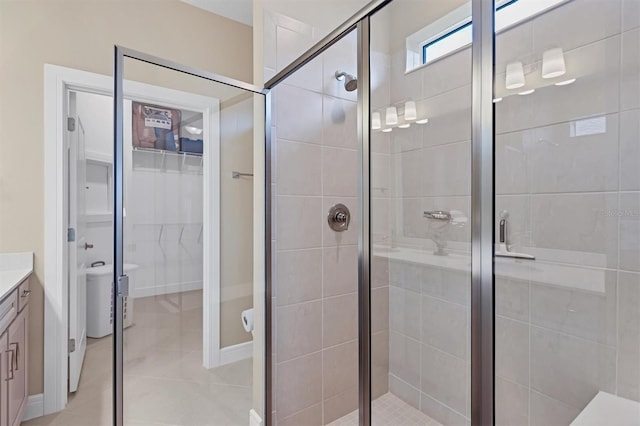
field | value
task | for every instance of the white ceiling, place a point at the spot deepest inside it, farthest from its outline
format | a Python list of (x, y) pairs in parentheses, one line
[(324, 14), (238, 10)]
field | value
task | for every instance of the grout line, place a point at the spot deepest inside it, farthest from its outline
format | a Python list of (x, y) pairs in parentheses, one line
[(618, 224), (322, 239), (529, 352), (559, 332)]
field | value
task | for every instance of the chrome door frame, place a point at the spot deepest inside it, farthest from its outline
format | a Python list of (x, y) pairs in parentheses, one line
[(482, 215), (364, 240), (121, 287)]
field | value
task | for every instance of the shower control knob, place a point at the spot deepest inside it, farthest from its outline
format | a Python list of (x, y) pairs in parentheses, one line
[(339, 218)]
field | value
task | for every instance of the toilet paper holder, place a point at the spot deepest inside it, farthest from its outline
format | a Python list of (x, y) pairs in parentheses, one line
[(247, 320)]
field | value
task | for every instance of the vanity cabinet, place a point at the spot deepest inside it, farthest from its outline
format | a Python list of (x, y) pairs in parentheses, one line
[(14, 350)]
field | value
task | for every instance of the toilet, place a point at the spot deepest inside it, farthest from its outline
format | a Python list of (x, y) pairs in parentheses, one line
[(100, 299)]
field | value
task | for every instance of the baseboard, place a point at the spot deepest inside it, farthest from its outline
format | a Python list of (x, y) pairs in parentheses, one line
[(35, 407), (167, 289), (236, 353), (254, 418)]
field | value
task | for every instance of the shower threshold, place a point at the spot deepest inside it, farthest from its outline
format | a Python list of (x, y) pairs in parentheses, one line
[(389, 410)]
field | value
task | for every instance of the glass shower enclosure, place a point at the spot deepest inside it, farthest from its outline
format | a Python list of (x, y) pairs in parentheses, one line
[(449, 227), (189, 335), (497, 223)]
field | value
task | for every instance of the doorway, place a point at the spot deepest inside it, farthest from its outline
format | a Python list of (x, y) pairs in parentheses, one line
[(172, 315)]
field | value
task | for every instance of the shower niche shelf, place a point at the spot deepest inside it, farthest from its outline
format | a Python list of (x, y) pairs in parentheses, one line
[(162, 161)]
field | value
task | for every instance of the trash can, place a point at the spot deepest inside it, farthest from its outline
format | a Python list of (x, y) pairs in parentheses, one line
[(100, 299)]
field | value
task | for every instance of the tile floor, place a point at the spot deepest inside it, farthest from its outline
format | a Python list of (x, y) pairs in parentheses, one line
[(165, 383), (389, 410)]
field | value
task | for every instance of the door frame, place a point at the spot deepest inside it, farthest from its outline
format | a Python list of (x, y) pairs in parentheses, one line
[(58, 81)]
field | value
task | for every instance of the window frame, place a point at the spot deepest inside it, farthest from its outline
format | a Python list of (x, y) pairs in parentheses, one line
[(453, 30)]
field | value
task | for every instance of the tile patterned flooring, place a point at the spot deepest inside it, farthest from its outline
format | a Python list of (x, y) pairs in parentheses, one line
[(165, 383), (389, 410)]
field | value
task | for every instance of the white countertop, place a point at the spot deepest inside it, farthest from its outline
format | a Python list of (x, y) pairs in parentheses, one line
[(14, 268), (608, 409)]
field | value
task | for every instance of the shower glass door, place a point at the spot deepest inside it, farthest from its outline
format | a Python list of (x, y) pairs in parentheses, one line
[(315, 303), (567, 203), (189, 339), (420, 212)]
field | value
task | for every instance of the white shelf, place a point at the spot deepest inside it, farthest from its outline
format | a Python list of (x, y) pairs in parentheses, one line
[(99, 158), (156, 160), (98, 217)]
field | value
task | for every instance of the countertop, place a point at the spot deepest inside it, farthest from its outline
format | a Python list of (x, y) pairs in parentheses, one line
[(14, 268)]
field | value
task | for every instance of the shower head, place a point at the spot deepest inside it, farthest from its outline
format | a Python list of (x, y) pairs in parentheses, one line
[(350, 82)]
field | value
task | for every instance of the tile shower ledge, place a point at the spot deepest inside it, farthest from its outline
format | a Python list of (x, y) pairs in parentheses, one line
[(606, 408), (14, 268), (568, 276)]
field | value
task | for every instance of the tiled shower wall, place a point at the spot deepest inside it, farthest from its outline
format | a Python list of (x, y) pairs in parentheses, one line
[(315, 268), (573, 197), (568, 323)]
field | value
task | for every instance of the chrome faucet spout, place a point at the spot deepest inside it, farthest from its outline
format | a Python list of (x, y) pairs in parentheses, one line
[(504, 249)]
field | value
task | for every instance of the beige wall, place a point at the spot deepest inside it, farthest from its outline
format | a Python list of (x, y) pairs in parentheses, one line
[(81, 34)]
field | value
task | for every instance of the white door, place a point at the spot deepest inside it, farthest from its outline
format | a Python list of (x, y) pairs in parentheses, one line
[(77, 246)]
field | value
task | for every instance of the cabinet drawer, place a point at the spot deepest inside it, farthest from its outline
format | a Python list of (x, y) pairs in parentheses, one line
[(8, 310), (24, 291)]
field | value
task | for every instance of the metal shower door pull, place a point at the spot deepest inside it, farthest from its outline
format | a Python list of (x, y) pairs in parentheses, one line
[(339, 218)]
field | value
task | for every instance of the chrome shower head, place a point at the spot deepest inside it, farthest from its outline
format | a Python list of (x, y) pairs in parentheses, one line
[(350, 82)]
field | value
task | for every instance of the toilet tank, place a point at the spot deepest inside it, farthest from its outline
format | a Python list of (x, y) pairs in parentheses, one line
[(100, 300)]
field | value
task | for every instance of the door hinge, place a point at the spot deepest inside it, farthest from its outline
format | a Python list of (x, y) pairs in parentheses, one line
[(72, 345), (71, 234), (71, 124), (123, 286)]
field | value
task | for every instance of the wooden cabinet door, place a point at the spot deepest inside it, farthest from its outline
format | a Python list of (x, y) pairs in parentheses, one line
[(17, 386), (5, 357)]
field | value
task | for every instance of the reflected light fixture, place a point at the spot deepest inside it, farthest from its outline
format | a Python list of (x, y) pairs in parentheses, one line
[(526, 92), (404, 126), (387, 130), (515, 75), (496, 100), (410, 113), (391, 116), (375, 121), (553, 63), (193, 130), (565, 82), (423, 121)]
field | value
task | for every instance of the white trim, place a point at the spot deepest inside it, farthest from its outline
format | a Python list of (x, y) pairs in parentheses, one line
[(211, 241), (167, 289), (35, 407), (57, 81), (254, 418), (236, 352), (55, 261)]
